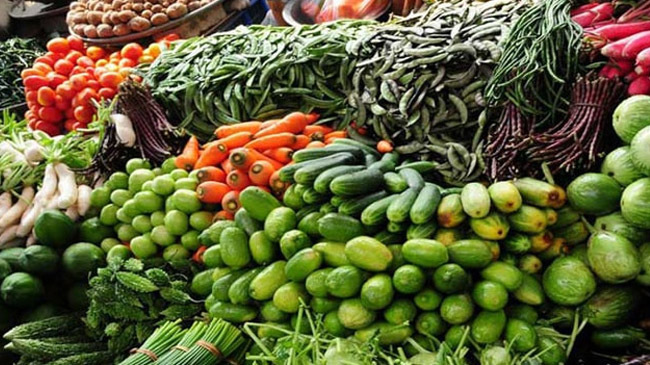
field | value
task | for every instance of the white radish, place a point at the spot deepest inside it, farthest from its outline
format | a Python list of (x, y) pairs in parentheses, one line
[(54, 202), (9, 234), (83, 199), (33, 152), (31, 240), (67, 186), (16, 211), (72, 213), (29, 218), (124, 129), (5, 202), (6, 149), (49, 186)]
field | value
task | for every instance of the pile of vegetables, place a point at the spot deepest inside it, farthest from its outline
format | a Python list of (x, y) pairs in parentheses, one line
[(16, 54)]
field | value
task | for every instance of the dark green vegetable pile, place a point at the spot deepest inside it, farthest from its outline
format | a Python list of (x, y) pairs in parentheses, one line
[(16, 54)]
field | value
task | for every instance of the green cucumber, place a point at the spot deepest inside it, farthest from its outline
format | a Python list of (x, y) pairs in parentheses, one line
[(234, 247), (398, 210), (258, 202), (311, 196), (333, 149), (358, 183), (426, 204), (244, 221), (394, 182), (308, 174), (413, 178), (387, 163), (354, 206), (375, 213), (339, 228), (233, 312), (238, 292), (350, 142), (264, 285), (425, 230), (220, 286), (261, 248), (309, 224), (292, 199), (322, 182)]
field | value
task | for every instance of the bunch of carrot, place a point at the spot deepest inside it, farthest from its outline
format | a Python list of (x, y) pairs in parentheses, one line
[(250, 153)]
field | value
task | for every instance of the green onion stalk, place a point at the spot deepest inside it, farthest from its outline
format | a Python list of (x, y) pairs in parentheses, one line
[(194, 334), (163, 338), (220, 341)]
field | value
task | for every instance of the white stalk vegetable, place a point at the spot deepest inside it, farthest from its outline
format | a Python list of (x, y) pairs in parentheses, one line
[(83, 199), (28, 219), (67, 186), (54, 202), (7, 149), (31, 240), (72, 213), (8, 235), (124, 129), (5, 203), (49, 185), (33, 152), (16, 211)]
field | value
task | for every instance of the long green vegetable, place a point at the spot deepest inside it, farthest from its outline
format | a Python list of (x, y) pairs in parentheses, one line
[(160, 342), (16, 54)]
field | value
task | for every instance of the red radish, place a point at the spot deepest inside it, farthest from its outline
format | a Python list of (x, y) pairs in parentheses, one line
[(643, 58), (584, 19), (636, 44), (583, 8), (641, 10), (632, 76), (640, 86), (615, 49), (625, 66), (642, 70), (614, 32), (606, 72)]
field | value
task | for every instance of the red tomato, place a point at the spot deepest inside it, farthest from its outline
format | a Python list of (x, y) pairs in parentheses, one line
[(106, 93), (79, 81), (50, 114), (86, 95), (45, 59), (77, 70), (32, 104), (69, 113), (85, 61), (114, 56), (126, 72), (63, 67), (31, 96), (73, 56), (49, 128), (54, 56), (46, 96), (101, 63), (145, 59), (79, 125), (94, 84), (83, 114), (29, 115), (42, 67), (30, 72), (132, 51), (111, 79), (99, 71), (68, 124), (66, 91), (56, 79), (127, 62), (75, 43), (35, 82), (59, 45), (61, 103), (91, 72), (32, 123), (95, 52), (136, 78)]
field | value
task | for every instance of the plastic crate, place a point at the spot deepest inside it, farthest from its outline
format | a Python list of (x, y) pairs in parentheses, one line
[(254, 14)]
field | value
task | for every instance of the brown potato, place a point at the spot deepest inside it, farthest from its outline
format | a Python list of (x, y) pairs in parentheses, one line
[(165, 4), (193, 5), (139, 24), (115, 18), (79, 18), (127, 6), (126, 15), (90, 31), (159, 19), (83, 1), (117, 4), (78, 29), (106, 19), (74, 5), (157, 8), (147, 14), (176, 11), (147, 6), (121, 29), (138, 8), (94, 17), (104, 31)]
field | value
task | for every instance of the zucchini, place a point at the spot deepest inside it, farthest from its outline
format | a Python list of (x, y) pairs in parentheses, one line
[(397, 227), (51, 351), (387, 163), (398, 210), (302, 213), (394, 182), (238, 290), (316, 153), (358, 183), (244, 221), (337, 200), (355, 206), (424, 230), (49, 327), (375, 213), (370, 160), (322, 182), (389, 238), (426, 204), (258, 202), (419, 166), (413, 178), (307, 175), (339, 228), (311, 196), (349, 142), (292, 198), (327, 208)]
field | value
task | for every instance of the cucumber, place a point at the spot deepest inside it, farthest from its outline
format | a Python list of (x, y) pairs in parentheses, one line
[(220, 286), (476, 200), (358, 183), (49, 327), (311, 196), (426, 204), (617, 338), (419, 166), (408, 279), (261, 248), (389, 238), (43, 350), (324, 305), (233, 312), (278, 222), (488, 326), (350, 142), (337, 200), (302, 213), (327, 208), (470, 254), (413, 178), (400, 311), (303, 263), (370, 160), (308, 174), (520, 335), (377, 292), (288, 297), (271, 313), (258, 202), (90, 358), (339, 228), (398, 210), (425, 252), (238, 291), (322, 182), (396, 227), (333, 253), (333, 149), (387, 163), (375, 213), (316, 282), (333, 325), (244, 221), (355, 206), (386, 333), (264, 285), (234, 247), (427, 300), (293, 241), (394, 182), (368, 254), (344, 281), (425, 230), (292, 198), (431, 324), (309, 224)]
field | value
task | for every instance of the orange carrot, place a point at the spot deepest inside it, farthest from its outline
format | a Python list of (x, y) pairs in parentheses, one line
[(315, 144), (212, 191), (226, 166), (276, 184), (238, 180), (260, 172), (292, 123), (190, 155), (312, 117), (269, 123), (317, 136), (384, 146), (211, 173), (301, 142), (336, 134), (236, 140), (272, 141), (243, 158), (198, 255), (282, 154), (230, 202), (212, 156), (311, 129), (227, 130)]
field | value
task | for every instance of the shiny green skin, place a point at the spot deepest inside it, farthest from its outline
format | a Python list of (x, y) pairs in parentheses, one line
[(303, 263), (398, 210), (333, 325), (618, 165), (333, 253), (425, 252), (409, 279), (234, 247), (488, 326), (530, 291), (613, 258), (524, 312), (470, 254), (262, 250), (635, 203), (450, 278), (450, 211), (344, 281), (521, 335), (476, 200), (377, 292), (258, 202), (631, 116), (495, 355), (568, 281), (339, 228), (454, 335), (221, 285), (425, 205), (618, 338), (430, 323), (316, 282), (398, 258), (594, 194), (493, 226), (425, 230), (530, 264), (232, 312), (264, 285), (505, 196), (292, 242), (271, 313), (309, 224), (354, 315), (574, 233), (615, 223), (387, 333), (490, 295), (280, 221), (528, 219), (289, 296), (368, 254), (611, 306), (324, 305), (552, 352), (400, 311), (505, 274), (457, 308), (238, 291), (427, 300), (640, 152)]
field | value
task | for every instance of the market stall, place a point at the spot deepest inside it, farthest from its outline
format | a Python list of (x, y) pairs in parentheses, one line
[(465, 183)]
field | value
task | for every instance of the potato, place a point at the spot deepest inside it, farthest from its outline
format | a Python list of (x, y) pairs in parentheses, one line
[(159, 19), (115, 18), (165, 4), (79, 18), (176, 11), (106, 19), (148, 6), (138, 8), (126, 15), (121, 29), (94, 17), (193, 5), (139, 24), (104, 31), (78, 29), (127, 6), (157, 8), (147, 14), (90, 31)]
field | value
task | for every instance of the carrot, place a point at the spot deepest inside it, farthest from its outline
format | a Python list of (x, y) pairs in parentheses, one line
[(311, 129), (227, 130), (226, 166), (315, 144), (292, 123), (384, 146), (282, 154), (198, 255), (312, 117), (211, 173), (317, 136), (212, 156), (301, 142), (269, 123), (276, 184), (230, 202), (236, 140), (189, 156), (238, 180), (332, 139), (272, 141), (260, 172), (223, 215), (212, 191), (243, 158), (336, 134)]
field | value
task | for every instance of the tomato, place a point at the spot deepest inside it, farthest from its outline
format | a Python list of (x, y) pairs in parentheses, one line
[(83, 114), (63, 67), (99, 71), (85, 61), (79, 81), (56, 79), (29, 115), (73, 56), (127, 62), (46, 96), (44, 59), (59, 45), (112, 67), (101, 63), (95, 52), (66, 91), (169, 38), (31, 96), (106, 93), (75, 43), (126, 72), (35, 82), (50, 114), (79, 125), (49, 128), (86, 95), (69, 113), (68, 124), (145, 59), (32, 104), (115, 56), (42, 67), (30, 72), (54, 56), (32, 123), (154, 50), (110, 79), (132, 51), (94, 84)]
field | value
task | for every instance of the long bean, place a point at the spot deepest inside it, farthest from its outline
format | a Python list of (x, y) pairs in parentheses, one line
[(16, 54)]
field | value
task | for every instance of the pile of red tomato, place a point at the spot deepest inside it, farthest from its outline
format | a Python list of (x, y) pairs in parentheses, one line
[(60, 85)]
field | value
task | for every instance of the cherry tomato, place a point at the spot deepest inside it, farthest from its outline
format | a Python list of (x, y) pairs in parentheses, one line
[(115, 56), (42, 67), (132, 51), (54, 56), (112, 67), (127, 62), (59, 45), (29, 115), (99, 71), (94, 84), (79, 81), (85, 61), (56, 79), (106, 93), (31, 123), (110, 79), (68, 124), (126, 72), (35, 82), (30, 72), (95, 52), (46, 96), (79, 125), (50, 114), (154, 50), (83, 114), (86, 95), (63, 67), (145, 59), (66, 91), (101, 63), (49, 128), (136, 78), (32, 104), (73, 56), (31, 96), (69, 113), (75, 43), (44, 59)]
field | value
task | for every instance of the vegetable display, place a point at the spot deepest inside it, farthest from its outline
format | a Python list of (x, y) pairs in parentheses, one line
[(16, 54)]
